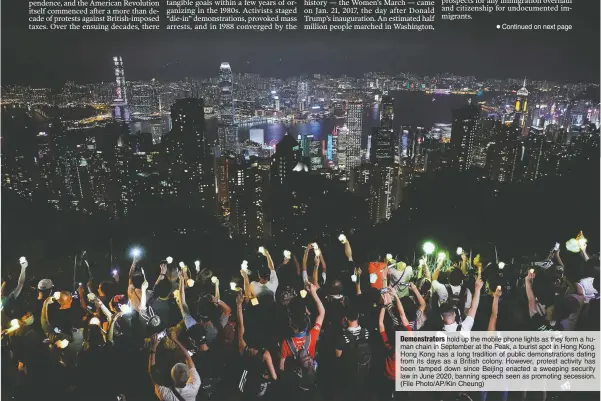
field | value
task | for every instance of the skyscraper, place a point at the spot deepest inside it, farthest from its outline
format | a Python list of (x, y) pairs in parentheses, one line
[(521, 108), (195, 166), (257, 135), (286, 157), (226, 129), (120, 107), (383, 139), (144, 100), (463, 135), (342, 147), (355, 129), (302, 95)]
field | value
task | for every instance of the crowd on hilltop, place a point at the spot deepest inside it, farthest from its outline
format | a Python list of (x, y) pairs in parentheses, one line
[(300, 329)]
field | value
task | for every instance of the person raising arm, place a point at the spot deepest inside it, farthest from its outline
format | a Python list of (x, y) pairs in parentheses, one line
[(492, 322)]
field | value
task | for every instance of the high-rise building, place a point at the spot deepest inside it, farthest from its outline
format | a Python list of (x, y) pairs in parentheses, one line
[(342, 147), (315, 152), (286, 157), (227, 131), (355, 130), (144, 100), (276, 99), (383, 153), (505, 153), (120, 107), (521, 108), (302, 95), (248, 183), (533, 157), (384, 192), (464, 134), (195, 166)]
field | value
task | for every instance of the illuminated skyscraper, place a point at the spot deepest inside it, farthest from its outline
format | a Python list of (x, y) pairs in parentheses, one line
[(383, 140), (315, 152), (226, 130), (144, 100), (355, 128), (521, 108), (463, 135), (302, 95), (120, 107), (342, 148)]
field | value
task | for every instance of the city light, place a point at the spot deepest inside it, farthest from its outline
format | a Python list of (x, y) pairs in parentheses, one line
[(429, 248)]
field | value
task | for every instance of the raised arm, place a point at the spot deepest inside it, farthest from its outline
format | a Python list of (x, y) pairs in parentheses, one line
[(358, 282), (189, 361), (111, 332), (323, 267), (476, 298), (154, 342), (269, 363), (305, 259), (314, 278), (240, 312), (347, 249), (424, 266), (436, 272), (183, 306), (463, 265), (132, 269), (217, 294), (583, 251), (162, 274), (247, 290), (381, 320), (492, 322), (530, 293), (17, 291), (421, 302), (143, 292), (321, 311), (269, 259), (297, 264)]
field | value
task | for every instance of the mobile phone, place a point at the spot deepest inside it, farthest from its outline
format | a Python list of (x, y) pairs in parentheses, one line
[(161, 335), (556, 248)]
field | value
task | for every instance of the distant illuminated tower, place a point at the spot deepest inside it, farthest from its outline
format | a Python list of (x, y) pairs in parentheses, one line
[(342, 147), (384, 139), (355, 129), (286, 157), (120, 107), (521, 107), (277, 103), (302, 93), (226, 130), (463, 135)]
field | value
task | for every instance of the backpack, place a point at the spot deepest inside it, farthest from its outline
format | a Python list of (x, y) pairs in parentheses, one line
[(360, 352), (305, 368)]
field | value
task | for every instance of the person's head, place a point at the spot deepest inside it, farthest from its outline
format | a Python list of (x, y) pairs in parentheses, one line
[(94, 337), (163, 289), (180, 373), (424, 288), (45, 287), (116, 301), (410, 308), (27, 319), (456, 277), (564, 307), (172, 272), (264, 274), (337, 287), (351, 314), (64, 300), (448, 314), (287, 295), (197, 337), (137, 280), (298, 322)]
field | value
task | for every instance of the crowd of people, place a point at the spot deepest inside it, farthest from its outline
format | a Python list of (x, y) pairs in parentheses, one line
[(301, 329)]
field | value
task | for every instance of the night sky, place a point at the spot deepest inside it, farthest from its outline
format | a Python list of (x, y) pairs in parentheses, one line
[(466, 48)]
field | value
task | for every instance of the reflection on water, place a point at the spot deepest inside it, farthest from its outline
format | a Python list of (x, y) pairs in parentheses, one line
[(410, 108)]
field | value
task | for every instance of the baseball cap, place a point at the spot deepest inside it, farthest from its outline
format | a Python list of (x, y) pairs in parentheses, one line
[(45, 284)]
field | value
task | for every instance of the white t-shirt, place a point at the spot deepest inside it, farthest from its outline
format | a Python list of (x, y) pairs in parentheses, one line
[(466, 325), (588, 290), (188, 393), (271, 286), (443, 294)]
